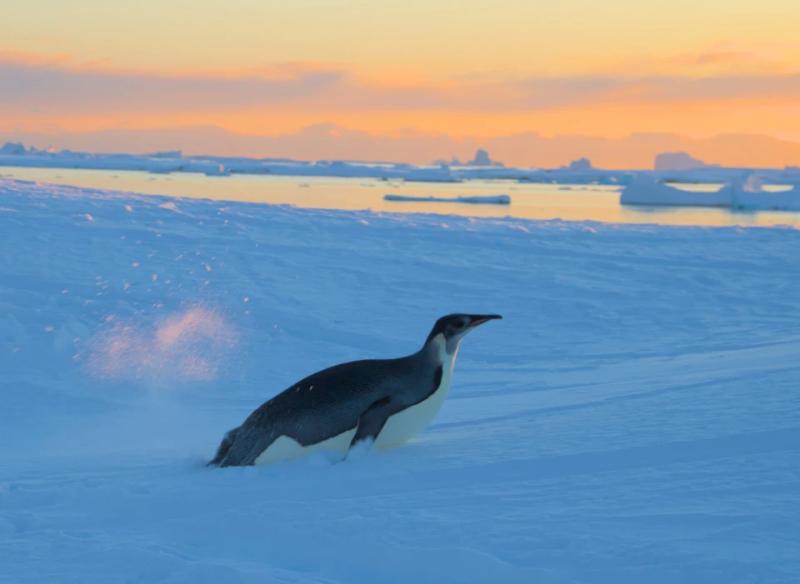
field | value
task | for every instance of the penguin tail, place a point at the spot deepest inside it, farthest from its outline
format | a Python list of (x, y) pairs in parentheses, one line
[(224, 447)]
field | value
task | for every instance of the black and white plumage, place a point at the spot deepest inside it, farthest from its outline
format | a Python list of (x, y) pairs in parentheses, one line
[(386, 401)]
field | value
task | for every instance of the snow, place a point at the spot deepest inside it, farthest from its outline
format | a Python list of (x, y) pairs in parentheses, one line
[(474, 199), (579, 171), (174, 161), (647, 189), (634, 417)]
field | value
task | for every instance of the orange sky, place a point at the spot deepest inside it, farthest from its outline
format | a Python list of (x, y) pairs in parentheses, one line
[(460, 68)]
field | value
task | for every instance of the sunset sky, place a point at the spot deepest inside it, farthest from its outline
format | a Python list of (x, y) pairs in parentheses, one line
[(459, 68)]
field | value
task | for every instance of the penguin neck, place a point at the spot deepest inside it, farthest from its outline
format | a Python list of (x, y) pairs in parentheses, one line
[(437, 351)]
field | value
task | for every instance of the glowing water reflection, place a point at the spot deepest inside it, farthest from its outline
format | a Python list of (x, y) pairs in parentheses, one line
[(529, 201)]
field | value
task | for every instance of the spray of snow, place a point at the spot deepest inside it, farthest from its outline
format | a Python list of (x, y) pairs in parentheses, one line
[(188, 346)]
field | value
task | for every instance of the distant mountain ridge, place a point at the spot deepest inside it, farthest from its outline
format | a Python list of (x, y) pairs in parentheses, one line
[(679, 161), (527, 149)]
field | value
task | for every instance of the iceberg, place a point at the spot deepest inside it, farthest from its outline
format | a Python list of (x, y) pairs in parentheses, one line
[(748, 193)]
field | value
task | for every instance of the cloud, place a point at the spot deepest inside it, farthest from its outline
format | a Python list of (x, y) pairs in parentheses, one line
[(30, 86), (732, 57), (56, 87), (586, 91)]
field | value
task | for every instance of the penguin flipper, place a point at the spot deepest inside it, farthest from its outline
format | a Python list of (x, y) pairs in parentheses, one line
[(371, 422)]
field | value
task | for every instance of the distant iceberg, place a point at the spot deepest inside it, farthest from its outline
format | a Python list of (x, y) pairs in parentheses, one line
[(741, 194), (218, 170), (473, 200)]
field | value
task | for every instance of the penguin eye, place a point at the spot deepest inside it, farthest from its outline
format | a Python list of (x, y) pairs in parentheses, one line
[(456, 326)]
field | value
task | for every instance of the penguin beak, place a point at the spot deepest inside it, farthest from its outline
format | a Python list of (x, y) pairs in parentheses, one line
[(479, 319)]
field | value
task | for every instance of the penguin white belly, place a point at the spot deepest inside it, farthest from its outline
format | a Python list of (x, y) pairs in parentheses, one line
[(285, 448), (406, 424)]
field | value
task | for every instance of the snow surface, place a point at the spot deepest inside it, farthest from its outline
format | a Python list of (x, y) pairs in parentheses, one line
[(473, 199), (634, 418)]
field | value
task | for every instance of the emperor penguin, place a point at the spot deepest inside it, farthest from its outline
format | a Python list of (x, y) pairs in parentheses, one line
[(383, 402)]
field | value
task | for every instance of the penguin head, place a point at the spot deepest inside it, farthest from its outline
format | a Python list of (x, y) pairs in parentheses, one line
[(453, 327)]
